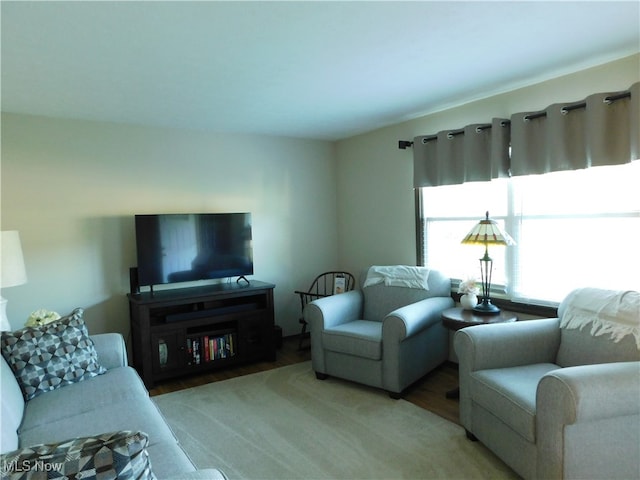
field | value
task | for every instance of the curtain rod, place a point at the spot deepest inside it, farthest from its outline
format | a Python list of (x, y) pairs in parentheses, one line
[(404, 144), (619, 96), (563, 110), (608, 100)]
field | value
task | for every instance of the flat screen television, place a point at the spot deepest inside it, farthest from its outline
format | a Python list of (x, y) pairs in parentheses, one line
[(175, 248)]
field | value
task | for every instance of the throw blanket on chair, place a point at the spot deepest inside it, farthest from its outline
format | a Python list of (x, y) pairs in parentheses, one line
[(398, 276), (614, 312)]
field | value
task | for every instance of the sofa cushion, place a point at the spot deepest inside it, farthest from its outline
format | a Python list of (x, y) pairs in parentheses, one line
[(95, 414), (116, 385), (510, 394), (51, 356), (115, 455), (361, 338), (138, 413)]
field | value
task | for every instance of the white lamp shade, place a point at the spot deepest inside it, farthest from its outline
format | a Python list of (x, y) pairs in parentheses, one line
[(13, 272)]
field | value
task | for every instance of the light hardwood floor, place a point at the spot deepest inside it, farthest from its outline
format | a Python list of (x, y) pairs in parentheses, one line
[(428, 393)]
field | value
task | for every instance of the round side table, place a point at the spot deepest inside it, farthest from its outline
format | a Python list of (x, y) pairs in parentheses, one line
[(457, 318)]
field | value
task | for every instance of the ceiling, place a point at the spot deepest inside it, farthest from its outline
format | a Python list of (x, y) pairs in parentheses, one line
[(325, 70)]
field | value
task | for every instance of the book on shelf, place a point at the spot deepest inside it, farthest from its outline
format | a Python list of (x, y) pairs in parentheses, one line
[(208, 348), (196, 351)]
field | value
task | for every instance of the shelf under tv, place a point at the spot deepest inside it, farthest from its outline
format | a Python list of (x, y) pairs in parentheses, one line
[(165, 322)]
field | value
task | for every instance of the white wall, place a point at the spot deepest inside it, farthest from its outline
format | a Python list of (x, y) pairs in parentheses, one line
[(71, 189), (375, 178)]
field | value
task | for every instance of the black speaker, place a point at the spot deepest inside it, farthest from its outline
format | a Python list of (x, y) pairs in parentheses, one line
[(134, 286)]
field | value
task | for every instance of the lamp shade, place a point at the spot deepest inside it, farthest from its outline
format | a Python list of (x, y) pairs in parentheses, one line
[(13, 272), (487, 232)]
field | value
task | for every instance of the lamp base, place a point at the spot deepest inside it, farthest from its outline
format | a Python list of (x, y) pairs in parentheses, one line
[(5, 326), (486, 308)]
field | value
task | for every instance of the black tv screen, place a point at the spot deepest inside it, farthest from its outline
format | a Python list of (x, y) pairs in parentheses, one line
[(176, 248)]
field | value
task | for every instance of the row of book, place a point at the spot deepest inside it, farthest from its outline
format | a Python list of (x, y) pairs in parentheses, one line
[(209, 348)]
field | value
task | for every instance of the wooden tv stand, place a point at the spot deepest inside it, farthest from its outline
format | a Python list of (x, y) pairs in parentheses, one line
[(190, 330)]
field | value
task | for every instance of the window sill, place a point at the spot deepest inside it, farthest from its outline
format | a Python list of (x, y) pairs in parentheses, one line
[(541, 311)]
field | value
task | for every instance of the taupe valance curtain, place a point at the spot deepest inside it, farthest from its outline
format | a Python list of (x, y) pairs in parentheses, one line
[(475, 153), (604, 129)]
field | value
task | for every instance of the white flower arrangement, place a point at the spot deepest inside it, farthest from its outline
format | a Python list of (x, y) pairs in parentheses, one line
[(42, 317), (468, 287)]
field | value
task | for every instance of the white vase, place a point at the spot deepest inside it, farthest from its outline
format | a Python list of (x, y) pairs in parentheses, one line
[(468, 301)]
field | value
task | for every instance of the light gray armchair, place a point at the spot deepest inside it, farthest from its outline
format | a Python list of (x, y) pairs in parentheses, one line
[(558, 398), (382, 336)]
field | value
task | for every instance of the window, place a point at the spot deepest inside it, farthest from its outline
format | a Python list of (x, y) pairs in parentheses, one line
[(572, 229)]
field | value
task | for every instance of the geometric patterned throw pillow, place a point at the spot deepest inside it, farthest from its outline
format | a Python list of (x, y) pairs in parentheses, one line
[(116, 455), (51, 356)]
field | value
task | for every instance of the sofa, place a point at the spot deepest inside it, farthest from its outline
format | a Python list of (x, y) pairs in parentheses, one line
[(388, 334), (107, 409), (559, 397)]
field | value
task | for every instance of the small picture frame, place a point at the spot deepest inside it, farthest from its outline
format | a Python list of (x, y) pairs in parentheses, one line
[(339, 284)]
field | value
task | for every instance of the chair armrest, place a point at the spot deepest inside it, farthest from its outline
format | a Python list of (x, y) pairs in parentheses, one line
[(589, 392), (334, 310), (581, 412), (411, 319), (111, 349), (502, 345), (308, 297), (312, 295), (326, 313)]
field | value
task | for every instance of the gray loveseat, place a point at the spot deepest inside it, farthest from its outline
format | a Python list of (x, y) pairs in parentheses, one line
[(115, 400), (558, 398)]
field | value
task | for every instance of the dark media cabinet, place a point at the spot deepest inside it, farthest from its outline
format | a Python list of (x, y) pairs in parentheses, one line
[(191, 330)]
